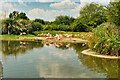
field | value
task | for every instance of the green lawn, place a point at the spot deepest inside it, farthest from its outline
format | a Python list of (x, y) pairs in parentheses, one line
[(15, 36)]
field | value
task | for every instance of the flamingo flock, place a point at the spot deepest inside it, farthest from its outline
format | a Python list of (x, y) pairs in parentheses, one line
[(57, 36)]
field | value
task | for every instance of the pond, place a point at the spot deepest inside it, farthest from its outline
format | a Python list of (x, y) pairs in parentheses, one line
[(53, 60)]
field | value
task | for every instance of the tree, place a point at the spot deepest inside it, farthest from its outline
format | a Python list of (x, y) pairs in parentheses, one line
[(15, 15), (40, 21), (66, 20), (93, 14), (5, 24), (113, 12), (35, 26), (78, 26)]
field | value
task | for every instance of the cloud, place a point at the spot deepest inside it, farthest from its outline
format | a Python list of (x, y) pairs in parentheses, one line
[(69, 7), (44, 0), (46, 15), (96, 1), (21, 2), (67, 4), (49, 0), (77, 9), (65, 7), (8, 7)]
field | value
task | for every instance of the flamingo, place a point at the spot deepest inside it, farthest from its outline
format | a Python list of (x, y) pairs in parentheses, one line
[(68, 45), (42, 34), (83, 44), (21, 42), (47, 38), (50, 37), (24, 33), (24, 43), (69, 36), (38, 35), (61, 44), (59, 38), (56, 44), (21, 34)]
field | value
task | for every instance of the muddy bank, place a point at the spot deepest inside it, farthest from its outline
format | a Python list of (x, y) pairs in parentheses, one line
[(71, 40)]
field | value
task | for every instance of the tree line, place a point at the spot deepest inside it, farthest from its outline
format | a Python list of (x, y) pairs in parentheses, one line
[(90, 17)]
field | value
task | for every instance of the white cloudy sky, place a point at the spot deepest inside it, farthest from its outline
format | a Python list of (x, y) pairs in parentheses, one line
[(46, 9)]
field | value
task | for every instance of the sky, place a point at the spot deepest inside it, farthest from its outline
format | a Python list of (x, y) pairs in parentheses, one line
[(46, 9)]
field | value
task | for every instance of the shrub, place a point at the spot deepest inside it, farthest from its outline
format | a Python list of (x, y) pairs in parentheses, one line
[(105, 39), (78, 26), (51, 32), (35, 26)]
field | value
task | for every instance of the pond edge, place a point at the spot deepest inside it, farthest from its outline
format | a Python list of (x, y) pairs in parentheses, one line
[(89, 52)]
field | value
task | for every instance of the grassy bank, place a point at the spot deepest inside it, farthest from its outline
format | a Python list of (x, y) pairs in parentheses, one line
[(6, 36), (53, 33)]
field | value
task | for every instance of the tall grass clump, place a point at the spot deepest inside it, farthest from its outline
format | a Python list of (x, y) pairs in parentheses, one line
[(105, 39)]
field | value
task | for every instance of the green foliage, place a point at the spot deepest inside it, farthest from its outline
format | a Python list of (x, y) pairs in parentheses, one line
[(60, 27), (51, 32), (5, 24), (35, 26), (92, 14), (78, 26), (105, 39), (113, 12), (10, 26), (15, 15), (22, 16), (40, 21), (66, 20)]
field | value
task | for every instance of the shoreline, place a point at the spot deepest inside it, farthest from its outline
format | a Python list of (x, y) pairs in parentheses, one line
[(64, 40), (92, 53)]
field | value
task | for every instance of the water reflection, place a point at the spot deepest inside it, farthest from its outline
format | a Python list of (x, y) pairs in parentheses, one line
[(54, 60), (107, 66), (1, 70), (15, 47)]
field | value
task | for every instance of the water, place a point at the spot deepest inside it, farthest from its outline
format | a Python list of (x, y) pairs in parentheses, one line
[(38, 60)]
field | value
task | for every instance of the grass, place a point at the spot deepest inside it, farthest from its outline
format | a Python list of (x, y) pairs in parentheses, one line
[(9, 36), (15, 36)]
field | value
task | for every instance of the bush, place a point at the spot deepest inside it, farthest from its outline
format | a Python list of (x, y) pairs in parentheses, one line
[(78, 26), (35, 26), (105, 39), (51, 32)]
